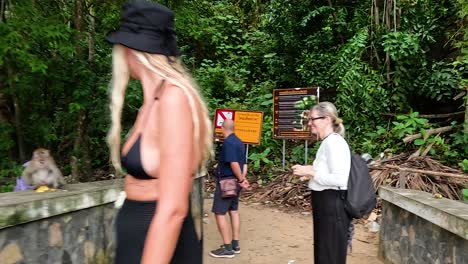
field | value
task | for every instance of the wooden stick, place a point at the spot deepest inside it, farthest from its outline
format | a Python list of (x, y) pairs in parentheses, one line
[(428, 148), (402, 179), (442, 115), (458, 96), (360, 240), (428, 133), (427, 172), (435, 116)]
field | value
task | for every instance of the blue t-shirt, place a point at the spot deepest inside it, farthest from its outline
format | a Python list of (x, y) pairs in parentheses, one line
[(232, 151)]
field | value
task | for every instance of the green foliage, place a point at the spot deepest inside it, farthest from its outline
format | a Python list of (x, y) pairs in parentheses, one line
[(377, 141), (46, 69), (464, 165), (401, 46), (259, 158), (8, 174), (9, 170), (409, 124), (362, 96), (440, 82), (459, 141), (297, 154), (448, 148), (6, 132)]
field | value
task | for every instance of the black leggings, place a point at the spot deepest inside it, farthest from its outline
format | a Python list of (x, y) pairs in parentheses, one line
[(133, 221), (331, 223)]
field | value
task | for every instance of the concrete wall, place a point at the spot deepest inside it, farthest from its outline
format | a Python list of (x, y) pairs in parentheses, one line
[(418, 228), (75, 225)]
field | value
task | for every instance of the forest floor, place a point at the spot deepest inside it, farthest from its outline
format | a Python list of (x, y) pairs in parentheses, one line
[(270, 235)]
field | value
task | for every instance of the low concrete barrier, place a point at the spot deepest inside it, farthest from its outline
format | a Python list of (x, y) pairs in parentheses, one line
[(418, 228), (70, 226)]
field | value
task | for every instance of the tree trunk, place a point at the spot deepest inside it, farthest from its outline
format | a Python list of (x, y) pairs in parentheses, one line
[(374, 16), (80, 162), (91, 35), (2, 10), (19, 130), (394, 15), (83, 139), (376, 12), (79, 23), (17, 117), (388, 24)]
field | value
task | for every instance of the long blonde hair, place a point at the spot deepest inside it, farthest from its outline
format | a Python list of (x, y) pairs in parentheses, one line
[(329, 109), (172, 70)]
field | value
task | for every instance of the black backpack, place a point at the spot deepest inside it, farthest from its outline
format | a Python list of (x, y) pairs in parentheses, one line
[(360, 198)]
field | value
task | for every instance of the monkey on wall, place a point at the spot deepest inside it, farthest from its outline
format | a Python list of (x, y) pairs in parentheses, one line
[(42, 170)]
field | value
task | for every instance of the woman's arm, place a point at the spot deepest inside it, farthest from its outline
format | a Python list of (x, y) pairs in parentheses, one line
[(175, 176)]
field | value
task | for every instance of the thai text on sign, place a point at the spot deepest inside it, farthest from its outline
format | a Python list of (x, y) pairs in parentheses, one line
[(247, 124)]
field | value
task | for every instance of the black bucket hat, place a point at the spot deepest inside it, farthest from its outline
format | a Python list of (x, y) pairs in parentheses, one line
[(147, 27)]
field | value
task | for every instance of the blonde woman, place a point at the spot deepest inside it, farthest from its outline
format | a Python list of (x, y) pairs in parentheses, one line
[(328, 179), (170, 140)]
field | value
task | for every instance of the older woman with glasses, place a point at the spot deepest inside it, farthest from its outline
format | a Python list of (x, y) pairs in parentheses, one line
[(328, 180)]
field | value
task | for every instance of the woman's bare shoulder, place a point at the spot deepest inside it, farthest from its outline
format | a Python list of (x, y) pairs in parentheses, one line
[(173, 96)]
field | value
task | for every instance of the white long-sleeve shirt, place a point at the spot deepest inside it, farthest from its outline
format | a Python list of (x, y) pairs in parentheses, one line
[(332, 164)]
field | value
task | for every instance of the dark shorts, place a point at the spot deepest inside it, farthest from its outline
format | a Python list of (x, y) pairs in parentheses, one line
[(222, 205)]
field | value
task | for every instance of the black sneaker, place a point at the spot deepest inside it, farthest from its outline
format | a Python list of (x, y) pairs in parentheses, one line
[(222, 253), (235, 249)]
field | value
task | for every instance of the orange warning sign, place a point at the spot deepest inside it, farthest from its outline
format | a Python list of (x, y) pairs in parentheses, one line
[(247, 125)]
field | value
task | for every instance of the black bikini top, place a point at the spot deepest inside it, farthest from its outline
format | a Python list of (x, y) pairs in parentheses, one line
[(132, 160)]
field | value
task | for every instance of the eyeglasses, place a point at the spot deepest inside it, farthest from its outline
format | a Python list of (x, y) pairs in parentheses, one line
[(316, 118)]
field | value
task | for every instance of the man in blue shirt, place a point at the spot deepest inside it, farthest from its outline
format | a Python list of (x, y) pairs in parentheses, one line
[(231, 163)]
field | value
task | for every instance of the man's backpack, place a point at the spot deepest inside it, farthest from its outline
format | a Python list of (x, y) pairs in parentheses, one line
[(360, 198)]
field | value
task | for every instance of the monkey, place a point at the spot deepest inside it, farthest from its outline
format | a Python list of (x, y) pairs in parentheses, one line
[(42, 170)]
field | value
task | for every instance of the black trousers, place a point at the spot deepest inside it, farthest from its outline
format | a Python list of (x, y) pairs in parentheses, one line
[(331, 223), (132, 224)]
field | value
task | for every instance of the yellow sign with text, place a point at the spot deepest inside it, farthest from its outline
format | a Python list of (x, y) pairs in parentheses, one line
[(247, 125)]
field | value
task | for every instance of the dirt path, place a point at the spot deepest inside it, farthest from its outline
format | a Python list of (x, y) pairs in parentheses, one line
[(272, 236)]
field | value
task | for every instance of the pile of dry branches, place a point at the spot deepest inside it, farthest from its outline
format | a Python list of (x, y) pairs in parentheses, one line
[(285, 190), (419, 173)]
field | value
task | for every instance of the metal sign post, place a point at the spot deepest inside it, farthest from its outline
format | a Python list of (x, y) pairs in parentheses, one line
[(247, 153), (284, 152), (305, 154)]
